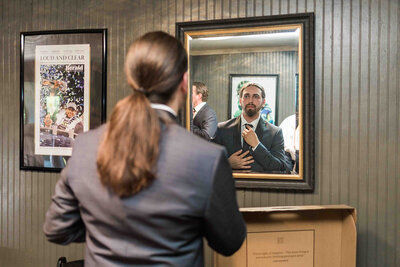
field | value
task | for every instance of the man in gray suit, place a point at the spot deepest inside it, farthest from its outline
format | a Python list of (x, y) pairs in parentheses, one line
[(204, 117), (141, 190), (252, 143)]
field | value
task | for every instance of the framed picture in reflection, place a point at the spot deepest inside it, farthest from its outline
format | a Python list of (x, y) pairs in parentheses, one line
[(269, 82)]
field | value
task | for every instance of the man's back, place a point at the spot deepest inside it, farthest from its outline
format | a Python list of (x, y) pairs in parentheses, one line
[(193, 193)]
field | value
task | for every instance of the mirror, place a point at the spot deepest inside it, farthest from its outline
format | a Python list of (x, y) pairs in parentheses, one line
[(260, 71)]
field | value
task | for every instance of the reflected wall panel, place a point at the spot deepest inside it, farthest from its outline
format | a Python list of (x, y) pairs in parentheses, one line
[(357, 111)]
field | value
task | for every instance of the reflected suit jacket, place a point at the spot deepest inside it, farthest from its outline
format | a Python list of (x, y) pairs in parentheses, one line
[(205, 123), (269, 156), (193, 196)]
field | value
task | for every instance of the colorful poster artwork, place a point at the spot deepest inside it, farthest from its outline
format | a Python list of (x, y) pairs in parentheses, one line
[(61, 97)]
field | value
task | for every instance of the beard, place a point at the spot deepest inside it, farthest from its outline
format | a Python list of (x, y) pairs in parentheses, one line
[(251, 111)]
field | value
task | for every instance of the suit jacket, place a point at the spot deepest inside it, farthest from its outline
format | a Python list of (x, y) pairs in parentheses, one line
[(193, 196), (269, 156), (205, 123)]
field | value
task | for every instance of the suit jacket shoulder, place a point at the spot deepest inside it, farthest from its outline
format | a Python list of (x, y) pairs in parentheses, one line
[(204, 109), (229, 123), (269, 126)]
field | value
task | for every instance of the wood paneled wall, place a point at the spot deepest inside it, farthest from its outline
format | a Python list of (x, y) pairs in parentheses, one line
[(357, 111)]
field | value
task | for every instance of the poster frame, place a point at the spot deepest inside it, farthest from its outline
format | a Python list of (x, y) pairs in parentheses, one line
[(30, 91)]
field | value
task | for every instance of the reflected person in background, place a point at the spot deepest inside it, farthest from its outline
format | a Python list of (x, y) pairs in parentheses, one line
[(253, 144), (141, 190), (291, 136), (204, 117)]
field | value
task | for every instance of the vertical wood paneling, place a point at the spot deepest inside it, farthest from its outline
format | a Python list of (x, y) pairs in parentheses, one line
[(395, 85), (357, 110), (3, 125), (353, 104), (14, 224), (374, 126), (363, 126), (336, 101), (5, 137), (345, 96), (325, 184), (394, 133), (383, 134)]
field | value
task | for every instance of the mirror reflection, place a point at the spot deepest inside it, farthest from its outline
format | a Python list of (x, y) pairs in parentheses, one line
[(245, 95)]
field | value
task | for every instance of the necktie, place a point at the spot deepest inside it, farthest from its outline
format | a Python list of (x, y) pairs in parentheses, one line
[(246, 146)]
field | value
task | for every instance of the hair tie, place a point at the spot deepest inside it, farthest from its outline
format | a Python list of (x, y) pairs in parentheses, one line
[(141, 90)]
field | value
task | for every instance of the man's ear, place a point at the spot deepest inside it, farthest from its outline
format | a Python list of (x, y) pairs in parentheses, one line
[(184, 83), (264, 100)]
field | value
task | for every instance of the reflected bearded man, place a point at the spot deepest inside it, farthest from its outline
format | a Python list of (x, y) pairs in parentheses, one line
[(204, 117), (252, 143)]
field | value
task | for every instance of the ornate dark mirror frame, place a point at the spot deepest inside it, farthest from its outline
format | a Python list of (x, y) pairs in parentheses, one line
[(304, 180)]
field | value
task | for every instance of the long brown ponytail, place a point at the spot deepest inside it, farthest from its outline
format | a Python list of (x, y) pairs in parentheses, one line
[(154, 67)]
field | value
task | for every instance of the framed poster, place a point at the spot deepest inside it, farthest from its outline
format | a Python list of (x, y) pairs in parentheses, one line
[(269, 82), (63, 92)]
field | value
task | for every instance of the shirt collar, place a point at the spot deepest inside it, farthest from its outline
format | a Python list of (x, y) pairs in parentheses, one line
[(254, 123), (163, 107), (199, 106)]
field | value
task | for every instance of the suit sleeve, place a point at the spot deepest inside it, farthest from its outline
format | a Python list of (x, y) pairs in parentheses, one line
[(225, 229), (274, 159), (208, 126), (63, 223)]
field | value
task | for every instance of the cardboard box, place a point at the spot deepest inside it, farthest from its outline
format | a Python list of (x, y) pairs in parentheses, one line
[(297, 236)]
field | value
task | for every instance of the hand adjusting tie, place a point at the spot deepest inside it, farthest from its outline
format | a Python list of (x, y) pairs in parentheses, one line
[(246, 146)]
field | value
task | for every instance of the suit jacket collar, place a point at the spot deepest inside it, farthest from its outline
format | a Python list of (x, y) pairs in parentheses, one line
[(163, 107), (165, 113), (254, 122), (261, 125), (261, 128), (166, 117), (201, 110)]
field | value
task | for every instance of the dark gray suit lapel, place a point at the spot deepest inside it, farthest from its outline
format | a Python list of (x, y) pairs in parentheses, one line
[(261, 128), (237, 140), (264, 133)]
